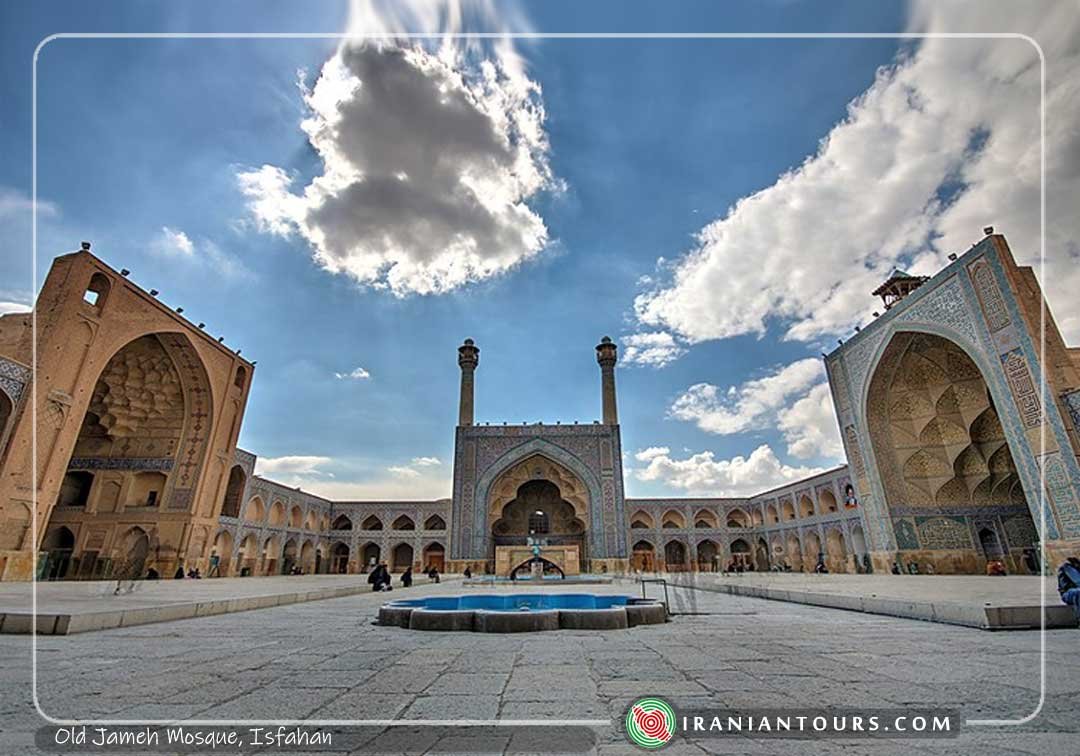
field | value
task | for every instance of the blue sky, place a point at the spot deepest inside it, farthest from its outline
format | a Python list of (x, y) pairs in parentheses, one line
[(644, 151)]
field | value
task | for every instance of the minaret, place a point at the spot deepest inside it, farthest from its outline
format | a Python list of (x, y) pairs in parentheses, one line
[(468, 359), (605, 355)]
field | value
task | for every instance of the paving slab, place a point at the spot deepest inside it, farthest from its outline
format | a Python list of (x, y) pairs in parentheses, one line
[(64, 608), (1014, 602)]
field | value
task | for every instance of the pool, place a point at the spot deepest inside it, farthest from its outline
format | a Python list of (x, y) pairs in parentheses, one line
[(516, 602), (522, 612)]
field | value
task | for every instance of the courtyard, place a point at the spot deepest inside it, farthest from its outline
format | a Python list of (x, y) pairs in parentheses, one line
[(325, 660)]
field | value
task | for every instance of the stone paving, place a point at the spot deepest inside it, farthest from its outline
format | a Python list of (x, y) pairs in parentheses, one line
[(325, 660)]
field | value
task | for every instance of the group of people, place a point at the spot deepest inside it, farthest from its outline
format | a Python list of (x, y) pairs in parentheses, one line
[(192, 574), (380, 580)]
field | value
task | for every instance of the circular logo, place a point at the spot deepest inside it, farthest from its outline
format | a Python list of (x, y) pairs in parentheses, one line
[(650, 723)]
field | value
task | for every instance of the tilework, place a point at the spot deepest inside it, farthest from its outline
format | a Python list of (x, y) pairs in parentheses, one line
[(13, 379), (158, 464), (1023, 388), (906, 535), (943, 532), (1072, 406)]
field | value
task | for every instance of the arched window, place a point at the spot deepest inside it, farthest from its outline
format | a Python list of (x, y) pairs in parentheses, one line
[(404, 523), (539, 524), (241, 377), (97, 291), (672, 519), (234, 492), (435, 523), (371, 523), (341, 522), (75, 490)]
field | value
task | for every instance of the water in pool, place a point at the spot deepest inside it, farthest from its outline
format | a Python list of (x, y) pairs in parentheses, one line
[(517, 602)]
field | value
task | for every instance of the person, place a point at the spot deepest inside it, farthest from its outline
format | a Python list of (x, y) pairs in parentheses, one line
[(468, 572), (215, 564), (929, 569), (152, 574), (913, 567), (996, 568), (179, 573), (1031, 561), (433, 574), (406, 577), (380, 578), (820, 568), (1069, 584), (896, 568)]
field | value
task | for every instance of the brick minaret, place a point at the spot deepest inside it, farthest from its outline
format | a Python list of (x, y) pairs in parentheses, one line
[(605, 355), (468, 359)]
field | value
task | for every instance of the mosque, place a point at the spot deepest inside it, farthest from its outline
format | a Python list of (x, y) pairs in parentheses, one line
[(959, 427)]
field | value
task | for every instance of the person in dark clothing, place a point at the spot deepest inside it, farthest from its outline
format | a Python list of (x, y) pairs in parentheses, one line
[(406, 578), (179, 573), (152, 574), (379, 578), (468, 573), (1069, 584), (433, 574)]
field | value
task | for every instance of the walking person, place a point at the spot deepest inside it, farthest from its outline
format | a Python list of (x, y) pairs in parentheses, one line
[(406, 577)]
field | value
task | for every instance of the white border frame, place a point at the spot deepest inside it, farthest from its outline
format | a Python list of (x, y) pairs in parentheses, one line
[(519, 35)]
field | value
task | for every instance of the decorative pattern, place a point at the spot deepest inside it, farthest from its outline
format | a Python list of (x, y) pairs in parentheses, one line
[(989, 295), (1060, 490), (1072, 405), (943, 532), (1025, 392), (13, 378), (906, 537), (197, 423), (944, 305), (142, 464), (1020, 531)]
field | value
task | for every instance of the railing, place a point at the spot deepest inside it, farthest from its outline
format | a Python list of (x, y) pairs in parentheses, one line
[(661, 581)]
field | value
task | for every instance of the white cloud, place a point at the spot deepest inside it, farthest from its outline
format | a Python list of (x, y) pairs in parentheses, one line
[(749, 406), (7, 308), (429, 157), (421, 479), (944, 142), (176, 244), (703, 474), (386, 488), (173, 241), (417, 467), (655, 348), (356, 374), (291, 465), (14, 203), (645, 455), (809, 426)]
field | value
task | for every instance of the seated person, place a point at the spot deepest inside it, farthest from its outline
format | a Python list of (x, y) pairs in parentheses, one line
[(1069, 584)]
